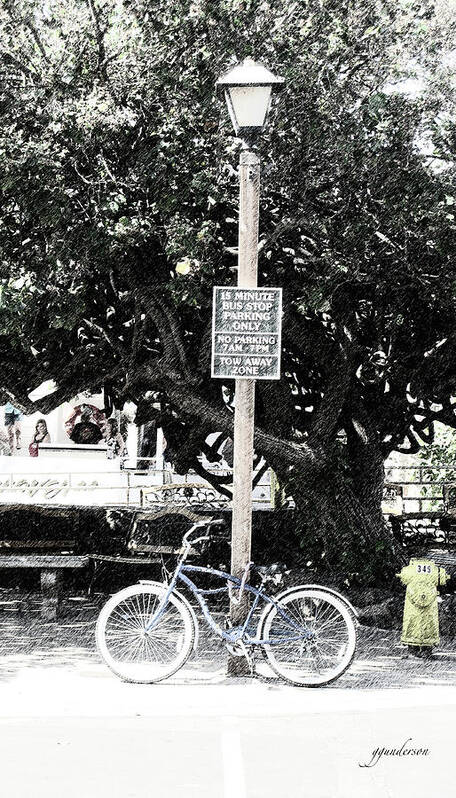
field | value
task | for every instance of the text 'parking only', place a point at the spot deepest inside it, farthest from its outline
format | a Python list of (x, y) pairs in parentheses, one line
[(246, 332)]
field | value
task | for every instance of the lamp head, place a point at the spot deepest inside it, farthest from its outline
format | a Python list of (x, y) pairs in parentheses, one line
[(247, 88)]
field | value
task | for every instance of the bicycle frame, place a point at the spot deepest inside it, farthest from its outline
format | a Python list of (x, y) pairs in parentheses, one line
[(236, 633), (146, 632)]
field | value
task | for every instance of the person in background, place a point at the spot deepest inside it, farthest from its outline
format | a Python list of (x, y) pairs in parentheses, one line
[(41, 436), (13, 425), (85, 431), (113, 439), (96, 416)]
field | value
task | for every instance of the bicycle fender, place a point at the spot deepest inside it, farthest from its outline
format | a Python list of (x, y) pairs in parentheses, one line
[(290, 590), (327, 590), (184, 600), (336, 593)]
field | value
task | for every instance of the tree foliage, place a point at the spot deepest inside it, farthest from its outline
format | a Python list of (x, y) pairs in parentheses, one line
[(118, 162)]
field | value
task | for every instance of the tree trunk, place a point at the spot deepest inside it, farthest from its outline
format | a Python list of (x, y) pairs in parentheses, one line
[(340, 525)]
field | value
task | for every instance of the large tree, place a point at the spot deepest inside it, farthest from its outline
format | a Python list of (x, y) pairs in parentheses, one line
[(118, 162)]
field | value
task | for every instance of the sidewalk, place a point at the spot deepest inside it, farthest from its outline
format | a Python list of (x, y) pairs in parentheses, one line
[(69, 727), (28, 643)]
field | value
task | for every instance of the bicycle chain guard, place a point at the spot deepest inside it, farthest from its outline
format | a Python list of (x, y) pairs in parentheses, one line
[(239, 649)]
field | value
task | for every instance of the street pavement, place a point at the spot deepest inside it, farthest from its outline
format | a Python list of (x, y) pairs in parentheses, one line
[(70, 729)]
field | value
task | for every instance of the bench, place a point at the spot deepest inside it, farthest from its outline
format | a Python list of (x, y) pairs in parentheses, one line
[(17, 545), (141, 544), (182, 494), (50, 566)]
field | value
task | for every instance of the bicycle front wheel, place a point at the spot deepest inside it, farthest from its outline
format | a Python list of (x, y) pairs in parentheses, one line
[(130, 649), (310, 637)]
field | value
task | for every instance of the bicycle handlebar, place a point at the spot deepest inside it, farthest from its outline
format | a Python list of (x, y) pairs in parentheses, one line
[(187, 544), (200, 524)]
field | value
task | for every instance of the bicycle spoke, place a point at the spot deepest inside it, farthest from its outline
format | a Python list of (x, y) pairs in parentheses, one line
[(325, 646), (131, 648)]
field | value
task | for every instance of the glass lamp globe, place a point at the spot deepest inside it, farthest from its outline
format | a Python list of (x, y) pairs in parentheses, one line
[(247, 88)]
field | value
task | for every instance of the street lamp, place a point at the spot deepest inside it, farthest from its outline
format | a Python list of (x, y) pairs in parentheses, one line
[(248, 88)]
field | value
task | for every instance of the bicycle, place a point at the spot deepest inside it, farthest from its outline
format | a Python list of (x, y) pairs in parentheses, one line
[(146, 632)]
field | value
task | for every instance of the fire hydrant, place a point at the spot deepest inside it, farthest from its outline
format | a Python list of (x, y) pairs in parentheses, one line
[(420, 628)]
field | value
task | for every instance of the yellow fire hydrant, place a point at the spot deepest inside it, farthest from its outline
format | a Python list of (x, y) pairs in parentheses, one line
[(420, 628)]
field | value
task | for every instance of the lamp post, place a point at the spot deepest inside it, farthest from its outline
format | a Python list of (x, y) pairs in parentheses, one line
[(247, 88)]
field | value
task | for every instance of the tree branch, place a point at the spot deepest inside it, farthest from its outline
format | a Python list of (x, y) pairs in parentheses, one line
[(271, 447), (171, 329), (325, 421), (117, 347), (37, 39), (99, 35)]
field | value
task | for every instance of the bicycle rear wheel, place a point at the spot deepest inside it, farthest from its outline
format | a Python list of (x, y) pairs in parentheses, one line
[(310, 639), (135, 653)]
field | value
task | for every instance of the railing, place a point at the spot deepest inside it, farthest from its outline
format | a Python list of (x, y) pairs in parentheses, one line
[(420, 490)]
